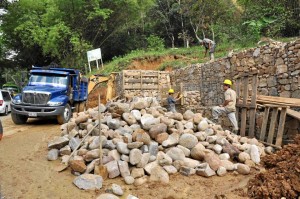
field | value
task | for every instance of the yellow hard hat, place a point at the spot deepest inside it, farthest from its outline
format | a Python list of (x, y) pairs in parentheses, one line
[(228, 82), (171, 90)]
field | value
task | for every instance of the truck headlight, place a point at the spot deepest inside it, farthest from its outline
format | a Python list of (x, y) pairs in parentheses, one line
[(55, 103), (16, 101)]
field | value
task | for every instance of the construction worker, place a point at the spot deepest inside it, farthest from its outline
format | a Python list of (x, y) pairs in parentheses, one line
[(228, 106), (1, 131), (209, 45), (171, 101)]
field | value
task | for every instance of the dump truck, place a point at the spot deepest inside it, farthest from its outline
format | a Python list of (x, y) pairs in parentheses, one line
[(50, 92)]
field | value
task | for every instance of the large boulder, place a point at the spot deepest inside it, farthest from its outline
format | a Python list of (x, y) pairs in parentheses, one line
[(114, 124), (129, 118), (136, 114), (157, 129), (213, 160), (58, 143), (135, 156), (140, 135), (119, 108), (88, 182), (188, 115), (158, 174), (203, 125), (148, 121), (188, 140), (198, 152), (172, 140), (176, 154)]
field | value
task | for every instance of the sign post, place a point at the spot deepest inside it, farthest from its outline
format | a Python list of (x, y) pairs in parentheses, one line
[(94, 55)]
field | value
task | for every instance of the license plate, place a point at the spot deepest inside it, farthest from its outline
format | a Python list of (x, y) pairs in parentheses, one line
[(32, 114)]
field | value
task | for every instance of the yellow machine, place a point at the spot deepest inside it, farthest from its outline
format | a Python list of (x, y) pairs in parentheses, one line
[(95, 80)]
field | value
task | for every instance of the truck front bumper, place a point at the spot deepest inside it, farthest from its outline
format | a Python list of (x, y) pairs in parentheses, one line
[(37, 111)]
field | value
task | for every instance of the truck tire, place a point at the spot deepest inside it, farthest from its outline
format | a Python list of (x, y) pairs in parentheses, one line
[(19, 119), (65, 116)]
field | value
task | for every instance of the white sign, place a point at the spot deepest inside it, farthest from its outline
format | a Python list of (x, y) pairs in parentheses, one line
[(94, 55)]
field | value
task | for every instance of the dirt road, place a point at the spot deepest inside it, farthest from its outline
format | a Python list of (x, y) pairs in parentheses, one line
[(26, 173)]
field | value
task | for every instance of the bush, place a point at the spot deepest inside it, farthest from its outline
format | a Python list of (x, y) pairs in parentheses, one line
[(155, 43)]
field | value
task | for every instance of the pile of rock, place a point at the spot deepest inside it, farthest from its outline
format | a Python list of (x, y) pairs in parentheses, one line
[(142, 141)]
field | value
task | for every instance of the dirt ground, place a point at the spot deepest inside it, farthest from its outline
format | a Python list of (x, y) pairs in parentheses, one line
[(25, 172)]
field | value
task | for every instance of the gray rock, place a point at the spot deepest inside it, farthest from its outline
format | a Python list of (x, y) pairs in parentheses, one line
[(148, 168), (136, 114), (218, 148), (129, 180), (203, 125), (176, 116), (221, 171), (188, 115), (88, 182), (170, 169), (66, 150), (153, 148), (188, 162), (114, 124), (74, 142), (137, 172), (243, 169), (91, 155), (158, 174), (122, 148), (269, 150), (209, 132), (117, 189), (135, 156), (125, 158), (96, 142), (163, 159), (148, 121), (152, 158), (115, 154), (145, 149), (187, 171), (254, 154), (140, 181), (189, 125), (109, 145), (228, 165), (144, 160), (157, 129), (123, 168), (224, 156), (205, 170), (211, 139), (135, 127), (201, 136), (134, 145), (129, 118), (52, 154), (185, 150), (58, 143), (188, 140), (198, 152), (176, 154), (124, 130), (243, 156), (113, 169), (107, 196), (172, 140), (131, 197)]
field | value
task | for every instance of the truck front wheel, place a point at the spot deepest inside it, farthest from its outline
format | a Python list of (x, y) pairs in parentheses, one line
[(19, 119), (65, 116)]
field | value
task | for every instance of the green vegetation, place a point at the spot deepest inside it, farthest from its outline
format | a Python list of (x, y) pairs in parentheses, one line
[(46, 31)]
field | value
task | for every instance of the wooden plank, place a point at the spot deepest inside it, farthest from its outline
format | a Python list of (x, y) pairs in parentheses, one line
[(253, 103), (264, 124), (291, 101), (238, 86), (141, 78), (244, 110), (138, 87), (281, 127), (294, 114), (272, 125)]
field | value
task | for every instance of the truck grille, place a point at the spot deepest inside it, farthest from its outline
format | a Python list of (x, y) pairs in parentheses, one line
[(35, 98)]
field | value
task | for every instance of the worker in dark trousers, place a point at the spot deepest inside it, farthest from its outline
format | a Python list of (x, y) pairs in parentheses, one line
[(1, 131), (171, 101), (209, 47)]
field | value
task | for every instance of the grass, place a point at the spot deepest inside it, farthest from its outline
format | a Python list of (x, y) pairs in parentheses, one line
[(185, 56)]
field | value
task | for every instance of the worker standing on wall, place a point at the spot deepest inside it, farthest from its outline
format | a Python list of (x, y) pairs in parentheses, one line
[(171, 101), (209, 46), (1, 131), (228, 107)]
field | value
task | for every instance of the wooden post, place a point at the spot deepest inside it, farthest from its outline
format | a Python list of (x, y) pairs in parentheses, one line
[(272, 124), (264, 124), (100, 139), (181, 92), (253, 106), (244, 109), (237, 97), (281, 126), (123, 82)]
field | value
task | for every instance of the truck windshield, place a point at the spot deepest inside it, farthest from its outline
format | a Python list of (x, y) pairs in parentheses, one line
[(51, 80)]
